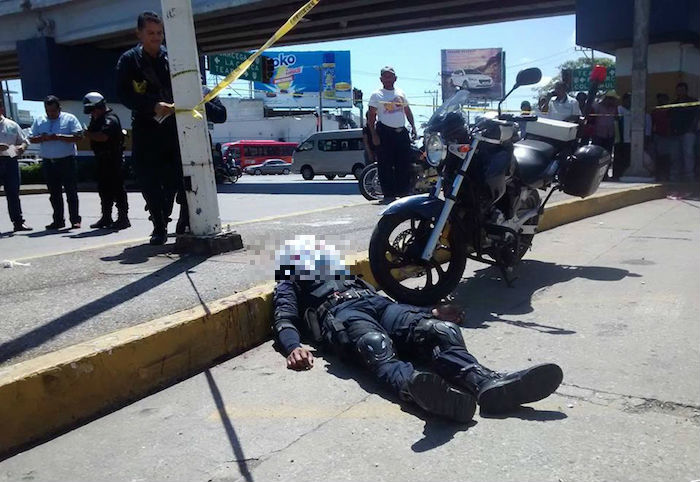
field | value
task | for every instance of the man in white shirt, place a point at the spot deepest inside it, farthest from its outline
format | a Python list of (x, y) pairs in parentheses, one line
[(561, 106), (388, 111), (13, 142), (57, 132)]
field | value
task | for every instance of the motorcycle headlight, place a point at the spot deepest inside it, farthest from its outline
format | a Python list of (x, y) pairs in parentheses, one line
[(435, 150)]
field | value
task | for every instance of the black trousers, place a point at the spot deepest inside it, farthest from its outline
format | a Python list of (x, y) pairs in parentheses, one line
[(10, 180), (394, 160), (621, 159), (156, 156), (62, 174), (380, 315), (110, 183)]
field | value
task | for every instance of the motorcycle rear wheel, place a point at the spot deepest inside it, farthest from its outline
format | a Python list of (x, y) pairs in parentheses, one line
[(369, 183), (394, 257)]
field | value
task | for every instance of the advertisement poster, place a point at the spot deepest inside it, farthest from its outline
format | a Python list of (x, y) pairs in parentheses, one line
[(481, 71), (300, 76)]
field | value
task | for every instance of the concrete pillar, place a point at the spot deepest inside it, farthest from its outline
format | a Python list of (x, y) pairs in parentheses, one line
[(200, 185), (640, 46)]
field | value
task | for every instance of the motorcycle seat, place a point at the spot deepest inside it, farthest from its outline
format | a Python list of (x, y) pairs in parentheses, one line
[(533, 158)]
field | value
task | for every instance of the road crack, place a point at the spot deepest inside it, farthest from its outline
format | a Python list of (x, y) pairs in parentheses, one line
[(630, 403)]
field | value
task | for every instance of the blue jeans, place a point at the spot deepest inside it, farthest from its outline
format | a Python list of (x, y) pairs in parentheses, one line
[(62, 174), (9, 178)]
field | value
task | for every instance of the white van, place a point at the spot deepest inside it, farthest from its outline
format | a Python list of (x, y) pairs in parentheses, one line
[(330, 154)]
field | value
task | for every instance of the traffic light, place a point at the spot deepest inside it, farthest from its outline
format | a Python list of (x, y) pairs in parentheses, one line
[(268, 69), (357, 98)]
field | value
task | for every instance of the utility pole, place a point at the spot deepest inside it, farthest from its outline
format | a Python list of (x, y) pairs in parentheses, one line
[(320, 97), (206, 235), (433, 97), (640, 47)]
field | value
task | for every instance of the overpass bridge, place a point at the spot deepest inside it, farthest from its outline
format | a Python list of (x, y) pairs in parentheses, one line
[(88, 27)]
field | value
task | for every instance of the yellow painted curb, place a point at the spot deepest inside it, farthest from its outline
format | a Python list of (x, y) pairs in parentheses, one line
[(54, 392)]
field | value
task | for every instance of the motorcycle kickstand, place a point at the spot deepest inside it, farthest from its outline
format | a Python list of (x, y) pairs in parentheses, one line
[(506, 272)]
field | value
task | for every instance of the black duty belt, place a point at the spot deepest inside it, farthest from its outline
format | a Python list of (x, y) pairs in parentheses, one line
[(314, 317), (394, 129)]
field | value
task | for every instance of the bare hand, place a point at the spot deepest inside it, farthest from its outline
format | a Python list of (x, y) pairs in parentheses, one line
[(414, 133), (375, 139), (163, 108), (300, 359), (451, 313), (20, 149)]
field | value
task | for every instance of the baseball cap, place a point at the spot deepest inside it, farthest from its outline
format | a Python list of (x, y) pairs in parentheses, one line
[(387, 69)]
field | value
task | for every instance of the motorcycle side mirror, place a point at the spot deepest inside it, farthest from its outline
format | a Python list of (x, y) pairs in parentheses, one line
[(528, 76)]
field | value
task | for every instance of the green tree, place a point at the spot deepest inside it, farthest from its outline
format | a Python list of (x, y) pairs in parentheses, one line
[(579, 63)]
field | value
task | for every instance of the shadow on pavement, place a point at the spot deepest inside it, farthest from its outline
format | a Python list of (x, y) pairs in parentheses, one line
[(95, 233), (48, 232), (530, 414), (436, 432), (240, 458), (486, 298), (140, 254), (307, 187), (132, 255)]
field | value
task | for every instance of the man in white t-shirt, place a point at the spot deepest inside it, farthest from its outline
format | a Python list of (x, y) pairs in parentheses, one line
[(388, 111), (562, 106)]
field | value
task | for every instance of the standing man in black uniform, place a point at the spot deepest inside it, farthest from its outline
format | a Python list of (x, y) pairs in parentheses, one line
[(143, 85), (316, 294), (107, 142)]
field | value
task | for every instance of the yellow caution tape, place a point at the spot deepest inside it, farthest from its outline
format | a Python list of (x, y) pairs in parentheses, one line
[(682, 104), (238, 71)]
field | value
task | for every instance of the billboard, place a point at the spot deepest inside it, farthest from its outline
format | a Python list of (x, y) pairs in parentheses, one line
[(481, 71), (300, 76)]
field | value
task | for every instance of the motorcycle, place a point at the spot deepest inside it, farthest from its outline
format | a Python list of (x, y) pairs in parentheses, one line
[(226, 170), (485, 205), (423, 177)]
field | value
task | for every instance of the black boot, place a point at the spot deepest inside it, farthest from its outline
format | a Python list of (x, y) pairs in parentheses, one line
[(159, 236), (122, 222), (104, 222), (504, 392), (434, 395)]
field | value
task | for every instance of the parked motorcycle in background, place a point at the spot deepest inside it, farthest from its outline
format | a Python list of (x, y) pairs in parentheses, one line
[(423, 177), (485, 205)]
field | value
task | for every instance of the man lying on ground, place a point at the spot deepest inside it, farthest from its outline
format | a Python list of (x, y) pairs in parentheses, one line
[(315, 294)]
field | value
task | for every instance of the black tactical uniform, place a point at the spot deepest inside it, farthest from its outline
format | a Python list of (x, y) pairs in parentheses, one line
[(357, 323), (110, 179), (142, 82)]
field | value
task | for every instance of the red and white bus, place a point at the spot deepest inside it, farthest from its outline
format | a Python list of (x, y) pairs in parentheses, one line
[(248, 153)]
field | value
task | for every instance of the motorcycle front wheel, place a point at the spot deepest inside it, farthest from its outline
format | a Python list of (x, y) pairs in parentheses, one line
[(369, 183), (394, 257)]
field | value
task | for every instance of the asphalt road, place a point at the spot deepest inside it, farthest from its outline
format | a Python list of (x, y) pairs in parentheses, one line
[(613, 299)]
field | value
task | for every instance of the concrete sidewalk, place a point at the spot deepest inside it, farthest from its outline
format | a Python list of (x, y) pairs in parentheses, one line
[(612, 298)]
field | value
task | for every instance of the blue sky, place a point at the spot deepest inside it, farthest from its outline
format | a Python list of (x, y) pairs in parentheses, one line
[(543, 43)]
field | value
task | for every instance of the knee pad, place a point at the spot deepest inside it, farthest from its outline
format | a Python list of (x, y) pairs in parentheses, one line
[(374, 348), (443, 334)]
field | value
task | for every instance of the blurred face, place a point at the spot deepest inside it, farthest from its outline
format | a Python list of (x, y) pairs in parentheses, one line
[(96, 113), (560, 90), (2, 110), (151, 36), (388, 79), (52, 111)]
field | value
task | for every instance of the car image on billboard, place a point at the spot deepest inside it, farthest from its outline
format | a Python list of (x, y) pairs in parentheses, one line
[(480, 71)]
